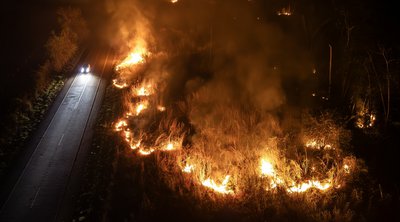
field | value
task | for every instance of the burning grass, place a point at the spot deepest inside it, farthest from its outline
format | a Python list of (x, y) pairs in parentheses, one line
[(230, 154)]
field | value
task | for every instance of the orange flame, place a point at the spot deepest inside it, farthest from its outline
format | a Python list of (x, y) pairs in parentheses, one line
[(120, 124), (188, 168), (160, 108), (136, 145), (140, 107), (132, 59), (118, 85), (146, 152), (285, 11), (223, 188), (144, 90), (267, 168), (303, 187)]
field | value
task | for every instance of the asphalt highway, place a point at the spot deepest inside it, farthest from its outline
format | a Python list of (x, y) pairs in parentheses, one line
[(44, 189)]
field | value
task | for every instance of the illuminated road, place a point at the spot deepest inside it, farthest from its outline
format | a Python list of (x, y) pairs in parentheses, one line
[(43, 188)]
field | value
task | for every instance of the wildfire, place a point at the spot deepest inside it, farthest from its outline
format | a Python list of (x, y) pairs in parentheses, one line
[(365, 117), (222, 188), (266, 168), (120, 124), (140, 107), (143, 90), (160, 108), (346, 168), (317, 144), (290, 175), (188, 168), (285, 11), (119, 85), (171, 145), (127, 135), (132, 59), (146, 152), (365, 120), (136, 145), (303, 187)]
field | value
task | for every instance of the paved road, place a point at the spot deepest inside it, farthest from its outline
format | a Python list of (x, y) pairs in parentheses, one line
[(43, 189)]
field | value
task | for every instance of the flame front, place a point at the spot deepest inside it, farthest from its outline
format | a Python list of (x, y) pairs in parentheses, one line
[(120, 124), (133, 58), (231, 144), (303, 187), (119, 85), (222, 188)]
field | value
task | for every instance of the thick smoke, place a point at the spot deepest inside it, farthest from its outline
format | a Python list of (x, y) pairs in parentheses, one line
[(229, 45), (223, 70), (227, 53)]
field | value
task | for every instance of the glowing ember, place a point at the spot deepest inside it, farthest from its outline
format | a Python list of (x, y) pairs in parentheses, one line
[(223, 188), (119, 85), (188, 168), (127, 135), (134, 146), (310, 184), (346, 168), (161, 108), (146, 152), (142, 90), (317, 144), (120, 124), (365, 120), (285, 11), (173, 145), (169, 146)]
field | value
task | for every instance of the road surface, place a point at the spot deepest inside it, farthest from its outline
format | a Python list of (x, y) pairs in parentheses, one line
[(44, 188)]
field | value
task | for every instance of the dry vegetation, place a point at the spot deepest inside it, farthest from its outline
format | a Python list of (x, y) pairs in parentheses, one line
[(63, 52)]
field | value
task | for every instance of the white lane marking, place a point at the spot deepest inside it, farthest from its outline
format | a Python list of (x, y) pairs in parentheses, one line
[(34, 199), (36, 148), (62, 137), (80, 97)]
